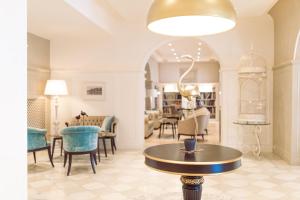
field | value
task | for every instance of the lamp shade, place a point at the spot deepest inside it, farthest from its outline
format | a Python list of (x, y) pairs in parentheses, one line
[(191, 17), (56, 88)]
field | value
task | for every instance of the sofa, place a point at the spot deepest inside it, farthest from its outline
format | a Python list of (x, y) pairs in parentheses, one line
[(107, 133), (152, 122)]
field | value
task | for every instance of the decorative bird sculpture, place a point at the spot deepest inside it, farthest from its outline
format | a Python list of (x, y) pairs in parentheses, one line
[(83, 113), (187, 91)]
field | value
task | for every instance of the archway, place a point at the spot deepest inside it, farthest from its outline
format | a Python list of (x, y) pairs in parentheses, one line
[(206, 75)]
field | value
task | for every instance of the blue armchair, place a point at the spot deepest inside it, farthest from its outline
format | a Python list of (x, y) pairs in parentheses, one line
[(36, 141), (80, 140)]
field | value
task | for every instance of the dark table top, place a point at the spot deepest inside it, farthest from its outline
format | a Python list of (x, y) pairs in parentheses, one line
[(209, 159)]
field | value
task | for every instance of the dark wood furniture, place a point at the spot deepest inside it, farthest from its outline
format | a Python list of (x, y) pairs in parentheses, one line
[(104, 136), (70, 154), (55, 138), (47, 147), (207, 160), (164, 123)]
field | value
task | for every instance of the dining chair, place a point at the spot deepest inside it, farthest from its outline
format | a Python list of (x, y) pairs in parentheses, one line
[(80, 140)]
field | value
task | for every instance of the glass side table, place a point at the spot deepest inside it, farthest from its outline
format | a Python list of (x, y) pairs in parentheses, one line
[(256, 132)]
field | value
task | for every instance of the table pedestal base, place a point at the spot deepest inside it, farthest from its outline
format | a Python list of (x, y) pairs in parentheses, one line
[(192, 187)]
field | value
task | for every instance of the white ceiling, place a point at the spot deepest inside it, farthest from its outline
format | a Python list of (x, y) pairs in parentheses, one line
[(172, 51), (54, 19)]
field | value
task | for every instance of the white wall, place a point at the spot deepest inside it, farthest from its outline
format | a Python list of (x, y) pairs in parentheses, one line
[(154, 69), (206, 72), (129, 52), (123, 99), (13, 146)]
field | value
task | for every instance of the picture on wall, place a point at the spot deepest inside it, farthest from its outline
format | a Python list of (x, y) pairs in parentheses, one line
[(93, 91)]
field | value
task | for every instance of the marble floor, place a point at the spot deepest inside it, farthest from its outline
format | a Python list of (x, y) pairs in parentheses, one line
[(124, 176)]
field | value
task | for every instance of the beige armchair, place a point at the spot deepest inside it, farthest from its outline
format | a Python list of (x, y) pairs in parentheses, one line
[(187, 127)]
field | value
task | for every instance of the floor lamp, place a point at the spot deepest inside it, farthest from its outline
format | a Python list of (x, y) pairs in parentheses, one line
[(56, 88)]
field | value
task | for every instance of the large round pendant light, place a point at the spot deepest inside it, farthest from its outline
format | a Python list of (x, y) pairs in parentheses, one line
[(191, 17)]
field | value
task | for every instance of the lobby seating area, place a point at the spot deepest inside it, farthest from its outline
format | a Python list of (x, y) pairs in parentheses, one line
[(150, 100)]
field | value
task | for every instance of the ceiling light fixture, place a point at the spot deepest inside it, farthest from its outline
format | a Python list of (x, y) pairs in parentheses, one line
[(191, 18), (170, 44), (174, 54), (200, 43), (172, 49)]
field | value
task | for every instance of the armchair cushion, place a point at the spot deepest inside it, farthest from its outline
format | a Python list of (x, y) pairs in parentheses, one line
[(80, 138), (106, 124), (36, 138)]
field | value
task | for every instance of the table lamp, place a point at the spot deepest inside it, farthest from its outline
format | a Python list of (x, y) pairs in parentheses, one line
[(56, 88)]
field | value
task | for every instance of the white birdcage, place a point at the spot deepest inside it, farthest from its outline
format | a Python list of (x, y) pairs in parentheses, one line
[(253, 88)]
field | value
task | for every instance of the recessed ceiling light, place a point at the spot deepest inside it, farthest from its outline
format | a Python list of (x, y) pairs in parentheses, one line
[(178, 61), (177, 57), (170, 44), (174, 54), (172, 49), (199, 49), (198, 53), (200, 43)]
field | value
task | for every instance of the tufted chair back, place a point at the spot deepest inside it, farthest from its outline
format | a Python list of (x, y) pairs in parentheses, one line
[(80, 138)]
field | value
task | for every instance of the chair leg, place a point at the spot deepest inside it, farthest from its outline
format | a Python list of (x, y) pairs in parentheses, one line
[(50, 156), (92, 162), (202, 137), (178, 136), (114, 142), (53, 147), (65, 158), (159, 131), (70, 163), (104, 144), (61, 146), (34, 157), (95, 158), (173, 131), (98, 148), (112, 146)]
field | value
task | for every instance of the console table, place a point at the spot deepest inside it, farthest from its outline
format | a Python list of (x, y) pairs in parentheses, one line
[(257, 131), (207, 160)]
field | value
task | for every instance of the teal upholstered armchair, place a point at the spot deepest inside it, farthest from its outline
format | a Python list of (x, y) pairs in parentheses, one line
[(80, 140), (36, 141)]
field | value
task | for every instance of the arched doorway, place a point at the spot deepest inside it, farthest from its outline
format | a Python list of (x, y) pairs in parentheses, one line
[(166, 63)]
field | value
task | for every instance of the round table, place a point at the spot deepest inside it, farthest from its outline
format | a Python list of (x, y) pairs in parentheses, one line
[(207, 160)]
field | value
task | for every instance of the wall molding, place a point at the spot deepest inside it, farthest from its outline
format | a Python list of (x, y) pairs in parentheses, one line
[(96, 71), (283, 65), (286, 64), (38, 69)]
